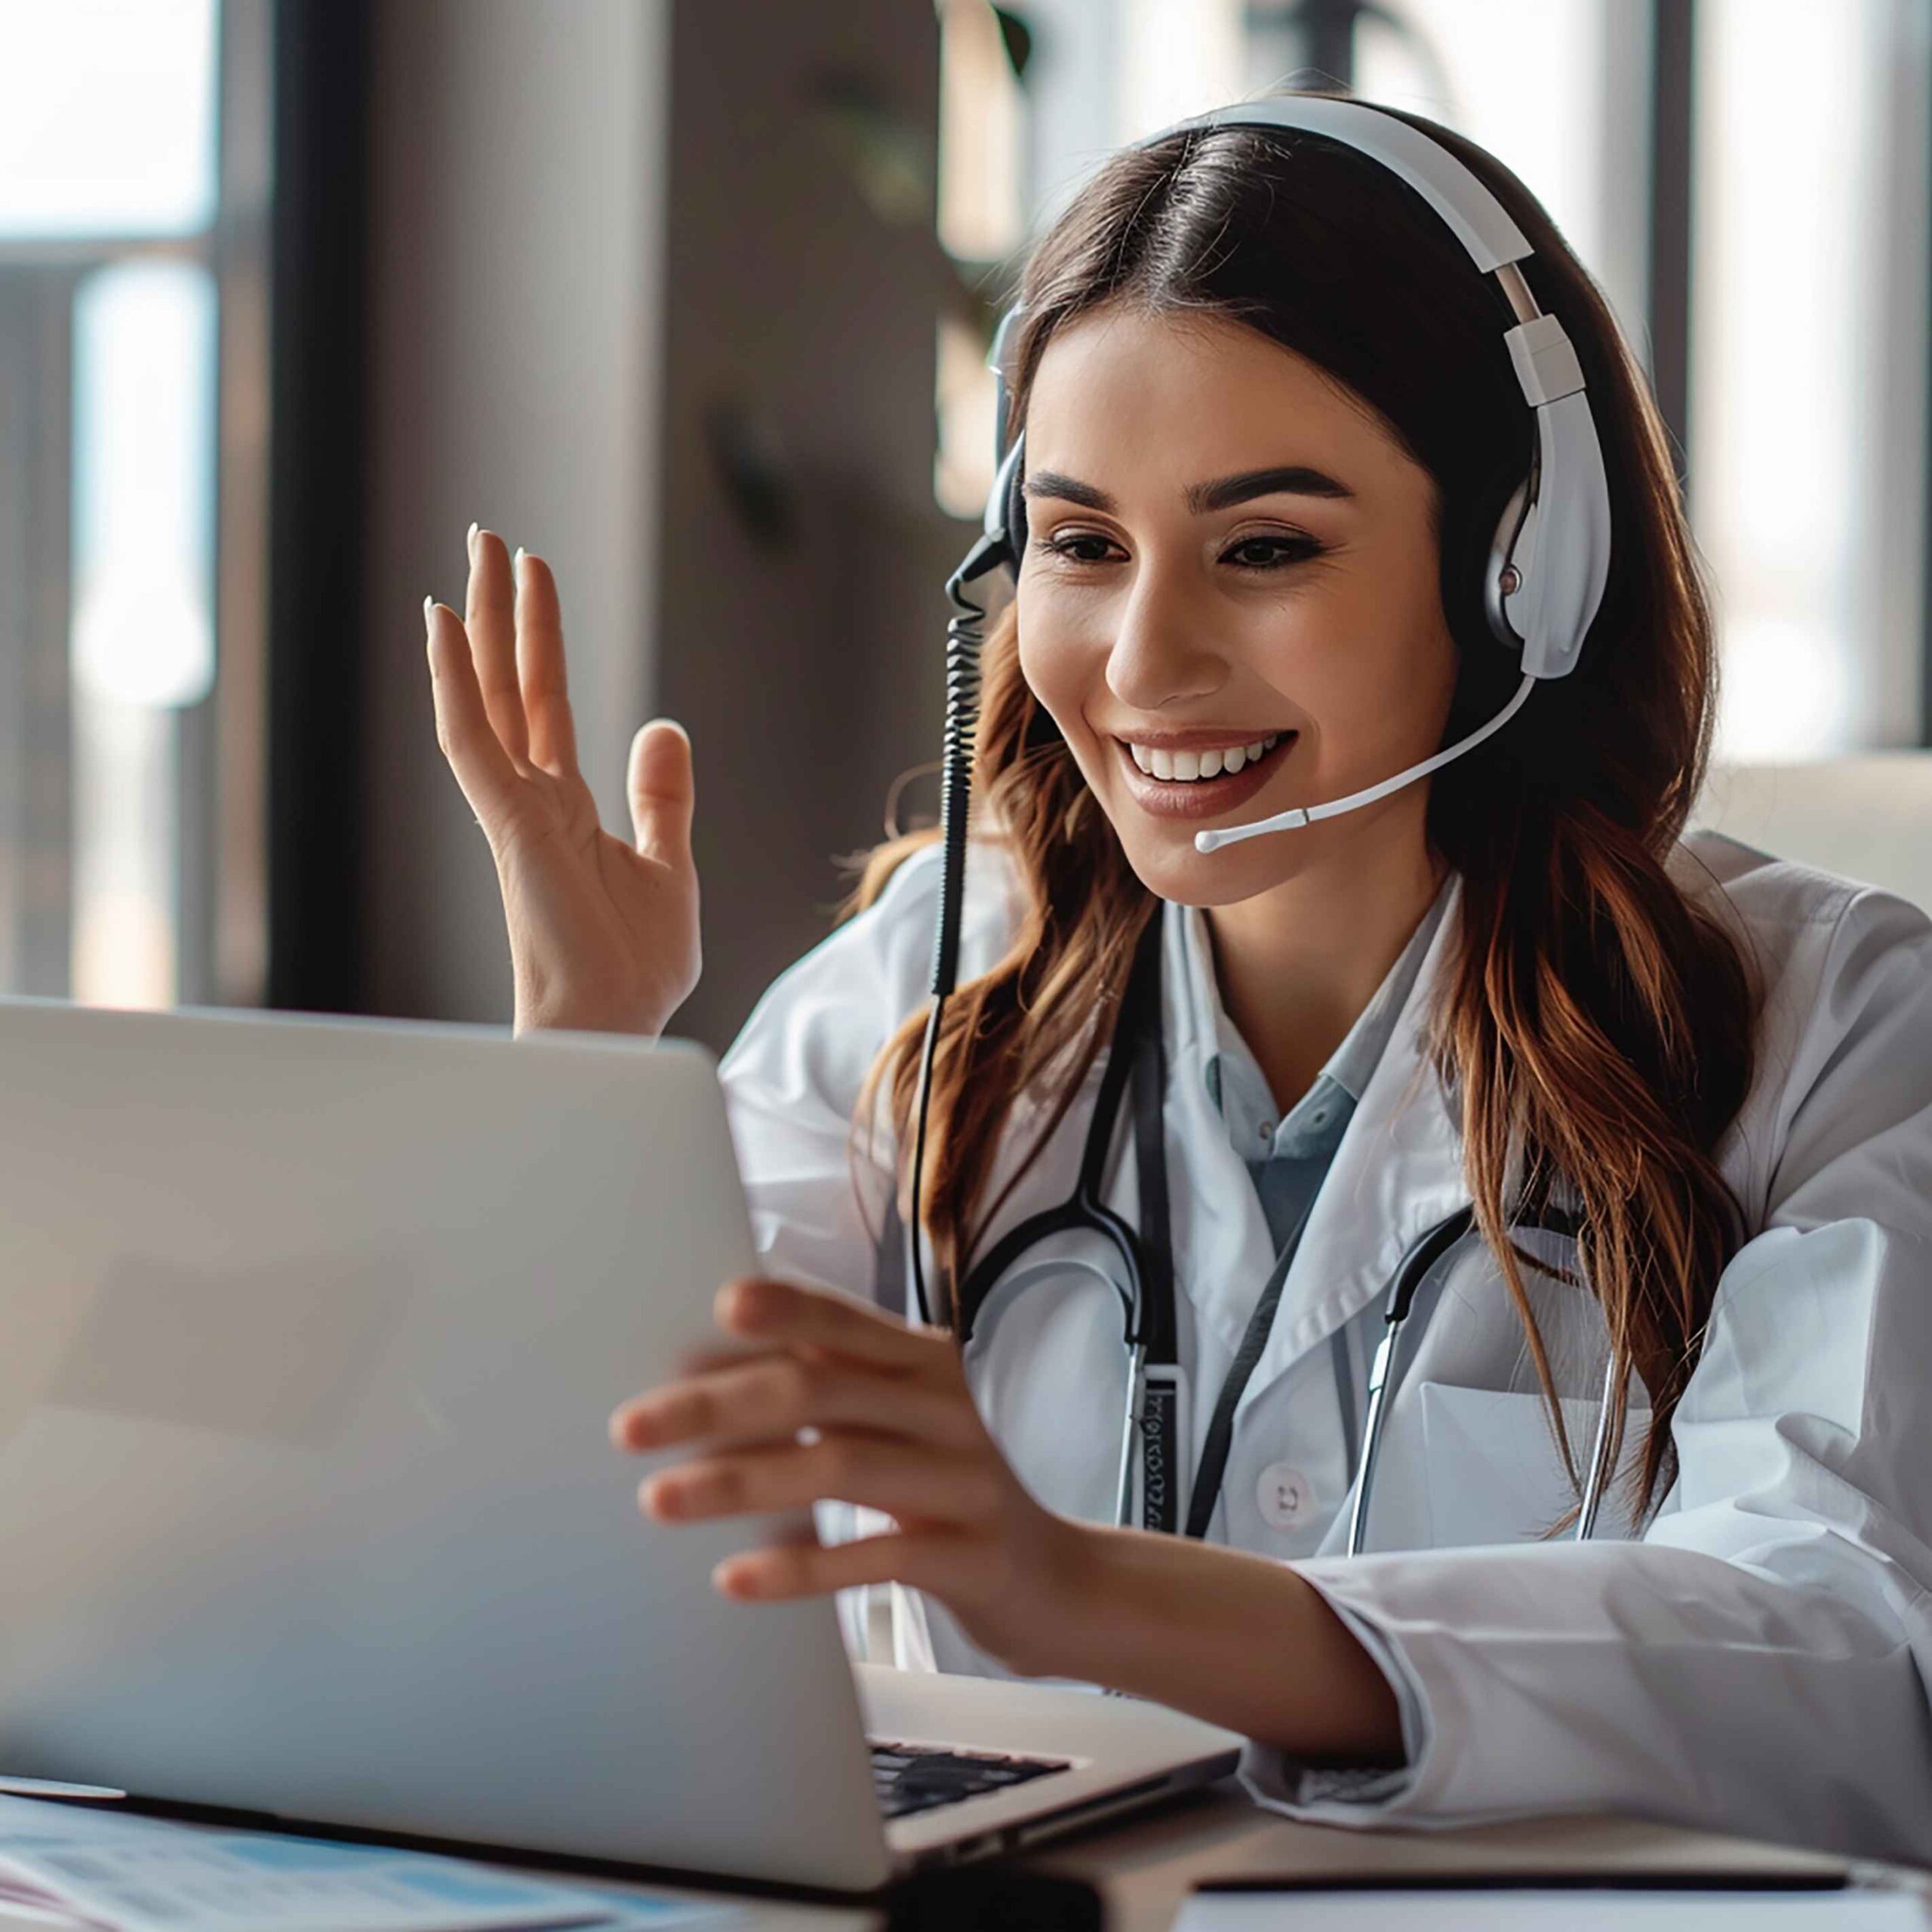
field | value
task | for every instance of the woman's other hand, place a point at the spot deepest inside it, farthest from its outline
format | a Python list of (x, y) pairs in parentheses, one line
[(838, 1400), (604, 934)]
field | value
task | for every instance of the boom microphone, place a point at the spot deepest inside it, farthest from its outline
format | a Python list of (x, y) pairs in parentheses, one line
[(1301, 815)]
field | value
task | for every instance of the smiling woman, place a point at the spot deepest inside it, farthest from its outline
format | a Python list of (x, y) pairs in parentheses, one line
[(1217, 309), (1492, 1106)]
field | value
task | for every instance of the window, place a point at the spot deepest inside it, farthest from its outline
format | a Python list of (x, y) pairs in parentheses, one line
[(1807, 431), (127, 283), (1807, 447), (1546, 84)]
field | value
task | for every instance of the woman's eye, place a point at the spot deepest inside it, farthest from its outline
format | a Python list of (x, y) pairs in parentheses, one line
[(1080, 546), (1262, 553)]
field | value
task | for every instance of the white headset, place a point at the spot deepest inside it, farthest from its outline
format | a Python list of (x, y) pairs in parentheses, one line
[(1550, 555)]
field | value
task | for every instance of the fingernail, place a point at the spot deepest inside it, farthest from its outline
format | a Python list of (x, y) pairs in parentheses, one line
[(471, 545), (518, 560), (429, 610)]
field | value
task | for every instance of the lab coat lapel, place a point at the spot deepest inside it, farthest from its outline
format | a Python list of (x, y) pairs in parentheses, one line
[(1398, 1172)]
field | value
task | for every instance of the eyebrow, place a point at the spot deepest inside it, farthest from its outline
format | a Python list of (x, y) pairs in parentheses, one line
[(1292, 479)]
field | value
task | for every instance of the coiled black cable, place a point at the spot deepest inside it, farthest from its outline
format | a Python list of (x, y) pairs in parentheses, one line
[(965, 635)]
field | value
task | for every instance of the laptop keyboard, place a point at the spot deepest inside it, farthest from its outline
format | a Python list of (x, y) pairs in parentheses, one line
[(917, 1777)]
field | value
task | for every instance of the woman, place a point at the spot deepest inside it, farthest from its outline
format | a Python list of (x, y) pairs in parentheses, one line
[(1270, 424)]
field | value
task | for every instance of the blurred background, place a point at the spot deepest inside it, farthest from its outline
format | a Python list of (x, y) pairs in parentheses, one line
[(693, 296)]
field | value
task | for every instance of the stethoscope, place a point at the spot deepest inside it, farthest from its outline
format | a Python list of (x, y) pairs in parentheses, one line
[(1152, 1419)]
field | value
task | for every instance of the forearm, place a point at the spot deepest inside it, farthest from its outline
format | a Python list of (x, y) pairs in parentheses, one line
[(1239, 1640)]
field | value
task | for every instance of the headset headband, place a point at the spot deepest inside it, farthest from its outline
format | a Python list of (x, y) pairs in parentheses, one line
[(1550, 556)]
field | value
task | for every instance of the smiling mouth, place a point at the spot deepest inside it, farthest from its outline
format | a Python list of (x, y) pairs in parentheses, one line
[(1198, 797), (1193, 765)]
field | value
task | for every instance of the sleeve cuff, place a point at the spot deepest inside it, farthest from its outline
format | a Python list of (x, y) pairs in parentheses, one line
[(1347, 1794)]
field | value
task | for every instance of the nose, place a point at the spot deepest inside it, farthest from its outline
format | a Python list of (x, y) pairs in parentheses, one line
[(1162, 650)]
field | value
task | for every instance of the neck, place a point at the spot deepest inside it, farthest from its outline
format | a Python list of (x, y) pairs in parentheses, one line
[(1296, 964)]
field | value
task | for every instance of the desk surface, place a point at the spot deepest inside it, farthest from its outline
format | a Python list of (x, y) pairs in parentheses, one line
[(1145, 1867)]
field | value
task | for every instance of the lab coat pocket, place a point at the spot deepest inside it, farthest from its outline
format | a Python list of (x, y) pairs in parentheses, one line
[(1492, 1472)]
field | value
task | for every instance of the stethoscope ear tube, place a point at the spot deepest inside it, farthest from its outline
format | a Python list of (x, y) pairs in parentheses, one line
[(1599, 1474), (1371, 1441), (1417, 1266)]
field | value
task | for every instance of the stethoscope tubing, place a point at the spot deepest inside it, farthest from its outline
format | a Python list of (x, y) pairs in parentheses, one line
[(1425, 1255), (1146, 1255), (1416, 1267)]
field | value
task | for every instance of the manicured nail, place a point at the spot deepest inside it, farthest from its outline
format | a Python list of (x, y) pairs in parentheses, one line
[(429, 610), (472, 539), (518, 561)]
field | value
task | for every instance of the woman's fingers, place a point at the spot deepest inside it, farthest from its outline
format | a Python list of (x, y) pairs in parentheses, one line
[(927, 1560), (661, 792), (776, 1395), (768, 1310), (540, 663), (463, 730), (489, 618), (876, 1472)]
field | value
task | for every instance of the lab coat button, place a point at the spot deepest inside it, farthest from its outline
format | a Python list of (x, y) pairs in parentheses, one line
[(1284, 1496)]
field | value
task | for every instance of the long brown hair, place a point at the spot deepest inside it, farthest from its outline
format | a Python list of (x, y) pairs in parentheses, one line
[(1595, 1028)]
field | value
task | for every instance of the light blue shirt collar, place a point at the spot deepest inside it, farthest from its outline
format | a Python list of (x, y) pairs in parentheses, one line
[(1233, 1076)]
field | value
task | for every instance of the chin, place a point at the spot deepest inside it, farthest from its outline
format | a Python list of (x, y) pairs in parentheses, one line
[(1172, 869)]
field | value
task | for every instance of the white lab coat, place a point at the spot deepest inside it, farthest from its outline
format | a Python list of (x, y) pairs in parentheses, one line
[(1758, 1662)]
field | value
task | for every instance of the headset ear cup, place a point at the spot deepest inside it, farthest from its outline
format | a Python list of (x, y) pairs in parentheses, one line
[(1501, 575)]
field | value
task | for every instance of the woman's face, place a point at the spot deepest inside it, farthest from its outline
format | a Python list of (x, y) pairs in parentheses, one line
[(1227, 550)]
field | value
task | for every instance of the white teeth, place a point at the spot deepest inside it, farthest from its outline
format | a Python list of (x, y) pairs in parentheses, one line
[(1183, 767)]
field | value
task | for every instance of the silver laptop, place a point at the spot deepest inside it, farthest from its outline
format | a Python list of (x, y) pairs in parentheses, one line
[(311, 1329)]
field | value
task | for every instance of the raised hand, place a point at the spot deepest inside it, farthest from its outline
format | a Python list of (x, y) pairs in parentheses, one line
[(604, 934)]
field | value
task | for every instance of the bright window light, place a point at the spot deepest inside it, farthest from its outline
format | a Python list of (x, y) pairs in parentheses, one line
[(979, 216), (107, 117), (126, 943), (144, 353), (1178, 58), (1792, 407), (142, 643)]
